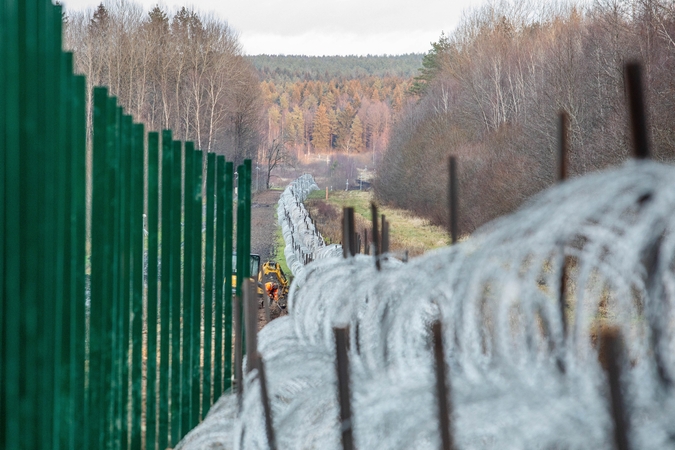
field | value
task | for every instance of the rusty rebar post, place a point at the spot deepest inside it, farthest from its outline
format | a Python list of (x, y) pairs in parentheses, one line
[(346, 234), (267, 410), (251, 320), (636, 104), (442, 389), (344, 395), (562, 294), (611, 357), (353, 238), (238, 357), (563, 144), (376, 235), (563, 151), (452, 198), (266, 304), (385, 235)]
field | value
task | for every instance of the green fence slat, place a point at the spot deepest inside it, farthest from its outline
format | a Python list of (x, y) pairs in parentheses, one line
[(227, 307), (218, 276), (188, 293), (42, 94), (243, 234), (174, 283), (241, 261), (240, 227), (197, 221), (28, 189), (167, 162), (58, 122), (97, 386), (30, 196), (10, 398), (136, 225), (111, 303), (124, 227), (79, 428), (153, 231), (63, 411), (3, 232), (49, 301), (208, 281)]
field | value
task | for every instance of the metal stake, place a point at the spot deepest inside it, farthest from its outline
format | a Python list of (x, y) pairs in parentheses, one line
[(341, 346), (636, 104), (442, 389), (611, 350), (452, 196)]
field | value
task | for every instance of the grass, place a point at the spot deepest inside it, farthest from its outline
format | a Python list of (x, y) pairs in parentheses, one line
[(279, 245), (407, 232)]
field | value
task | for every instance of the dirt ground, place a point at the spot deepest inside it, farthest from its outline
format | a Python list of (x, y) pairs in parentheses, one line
[(263, 223), (263, 229)]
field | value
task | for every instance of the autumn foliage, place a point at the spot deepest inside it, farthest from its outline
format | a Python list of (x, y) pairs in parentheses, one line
[(342, 113), (179, 70), (491, 92)]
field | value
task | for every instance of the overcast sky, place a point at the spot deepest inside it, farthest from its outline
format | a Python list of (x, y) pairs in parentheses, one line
[(319, 27)]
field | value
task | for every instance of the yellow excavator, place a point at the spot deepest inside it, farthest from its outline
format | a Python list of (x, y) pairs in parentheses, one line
[(269, 276), (255, 269), (274, 279)]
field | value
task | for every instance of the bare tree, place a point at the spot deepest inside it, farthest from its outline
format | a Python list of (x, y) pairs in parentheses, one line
[(275, 153)]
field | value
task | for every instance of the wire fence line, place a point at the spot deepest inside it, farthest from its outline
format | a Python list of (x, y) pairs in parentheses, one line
[(132, 349)]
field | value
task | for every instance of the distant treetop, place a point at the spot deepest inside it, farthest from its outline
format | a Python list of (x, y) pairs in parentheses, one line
[(324, 68)]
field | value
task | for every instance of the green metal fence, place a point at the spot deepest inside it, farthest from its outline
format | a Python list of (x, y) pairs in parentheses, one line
[(134, 357)]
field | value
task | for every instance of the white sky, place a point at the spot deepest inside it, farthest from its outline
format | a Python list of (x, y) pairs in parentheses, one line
[(319, 27)]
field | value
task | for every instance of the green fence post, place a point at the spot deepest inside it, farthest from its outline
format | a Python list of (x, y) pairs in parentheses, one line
[(197, 221), (242, 257), (219, 271), (97, 385), (153, 235), (28, 190), (136, 225), (247, 222), (80, 417), (11, 232), (227, 308), (167, 162), (115, 321), (208, 280), (63, 390), (43, 92), (243, 233), (188, 291), (174, 283), (3, 231), (124, 224), (49, 301)]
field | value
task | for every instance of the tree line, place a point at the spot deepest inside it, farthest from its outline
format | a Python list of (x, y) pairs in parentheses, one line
[(283, 68), (490, 93), (181, 71), (348, 115)]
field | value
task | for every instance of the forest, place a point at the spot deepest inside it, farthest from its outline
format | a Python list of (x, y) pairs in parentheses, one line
[(187, 72), (182, 71), (490, 93), (336, 104)]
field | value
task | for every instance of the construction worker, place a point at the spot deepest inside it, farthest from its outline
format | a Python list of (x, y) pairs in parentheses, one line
[(272, 290)]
